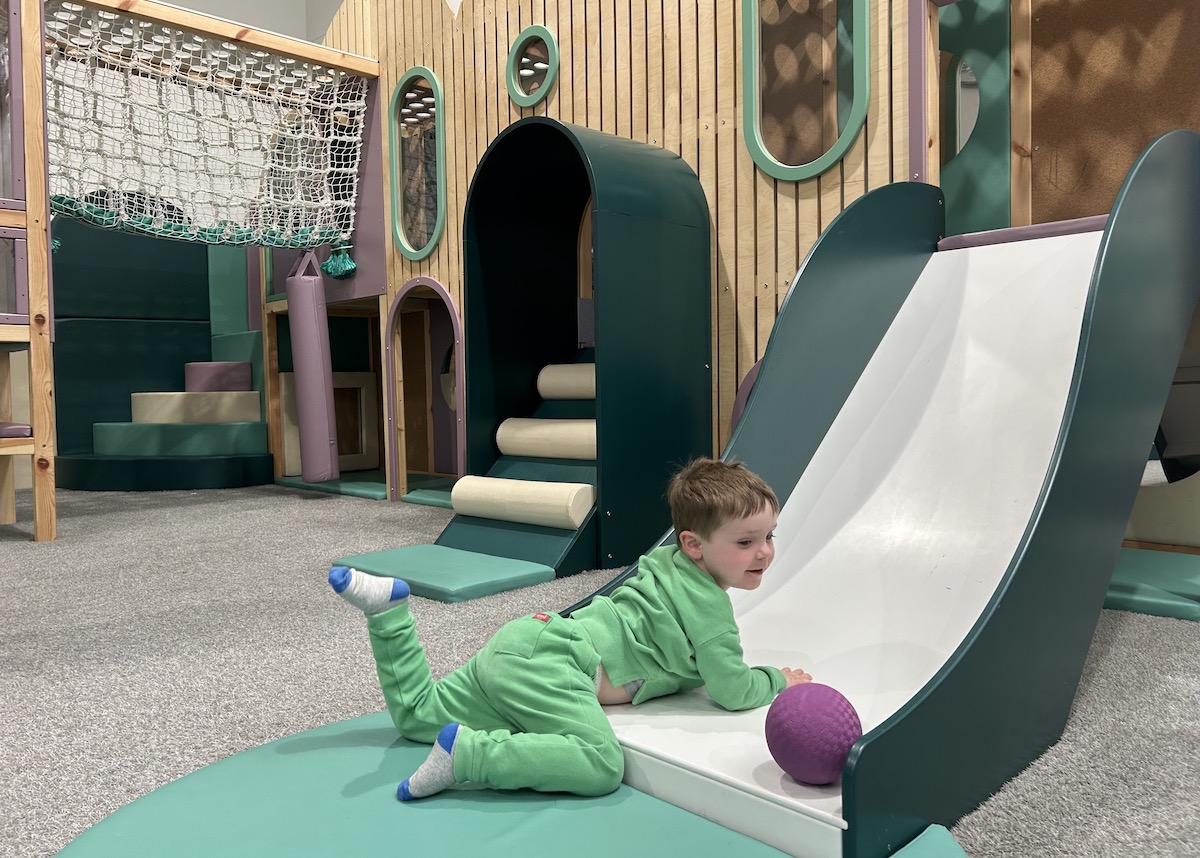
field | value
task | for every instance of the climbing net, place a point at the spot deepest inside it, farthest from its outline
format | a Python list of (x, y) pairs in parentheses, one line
[(156, 130)]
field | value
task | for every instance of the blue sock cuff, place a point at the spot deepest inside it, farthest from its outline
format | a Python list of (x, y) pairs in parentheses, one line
[(399, 589), (339, 578), (447, 736)]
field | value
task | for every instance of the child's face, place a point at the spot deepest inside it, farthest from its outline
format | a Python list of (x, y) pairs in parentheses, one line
[(738, 552)]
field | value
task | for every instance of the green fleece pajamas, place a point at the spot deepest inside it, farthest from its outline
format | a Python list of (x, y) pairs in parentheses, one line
[(526, 702)]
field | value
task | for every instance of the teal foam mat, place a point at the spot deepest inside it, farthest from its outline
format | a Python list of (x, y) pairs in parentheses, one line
[(360, 484), (429, 490), (450, 574), (332, 791), (1160, 583)]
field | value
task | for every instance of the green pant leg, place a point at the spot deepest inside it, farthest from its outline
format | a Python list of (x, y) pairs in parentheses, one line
[(540, 676), (419, 706)]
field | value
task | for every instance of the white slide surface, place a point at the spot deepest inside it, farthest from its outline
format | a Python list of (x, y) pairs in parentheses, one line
[(898, 534)]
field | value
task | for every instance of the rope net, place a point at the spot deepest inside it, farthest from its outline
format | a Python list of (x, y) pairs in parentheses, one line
[(159, 131)]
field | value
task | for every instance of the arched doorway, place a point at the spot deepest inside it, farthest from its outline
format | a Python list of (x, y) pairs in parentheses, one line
[(424, 385)]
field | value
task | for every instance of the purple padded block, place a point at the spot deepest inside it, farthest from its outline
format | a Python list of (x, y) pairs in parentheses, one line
[(313, 371), (15, 430), (211, 375)]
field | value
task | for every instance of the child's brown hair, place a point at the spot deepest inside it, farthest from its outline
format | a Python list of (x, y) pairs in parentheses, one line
[(706, 493)]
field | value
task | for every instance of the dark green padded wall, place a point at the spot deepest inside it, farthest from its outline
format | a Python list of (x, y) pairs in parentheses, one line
[(106, 274), (349, 343), (227, 290), (99, 362), (130, 311)]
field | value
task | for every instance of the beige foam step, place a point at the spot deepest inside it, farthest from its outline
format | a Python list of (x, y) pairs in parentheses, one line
[(547, 438), (567, 381), (228, 406), (563, 505)]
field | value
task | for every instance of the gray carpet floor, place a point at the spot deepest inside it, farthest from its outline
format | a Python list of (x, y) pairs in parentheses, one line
[(165, 631)]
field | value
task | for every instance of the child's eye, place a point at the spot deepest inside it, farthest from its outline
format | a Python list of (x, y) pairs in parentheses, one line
[(744, 543), (770, 536)]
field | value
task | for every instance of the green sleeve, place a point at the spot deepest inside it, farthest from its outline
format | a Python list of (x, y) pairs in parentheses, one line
[(729, 680)]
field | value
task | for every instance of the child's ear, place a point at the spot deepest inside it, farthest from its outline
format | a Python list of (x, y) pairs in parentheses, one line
[(691, 544)]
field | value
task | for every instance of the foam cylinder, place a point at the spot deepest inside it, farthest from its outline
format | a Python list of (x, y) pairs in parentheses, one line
[(550, 439), (563, 505), (567, 381), (313, 370)]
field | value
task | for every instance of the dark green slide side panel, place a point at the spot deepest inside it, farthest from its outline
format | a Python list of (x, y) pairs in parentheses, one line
[(839, 306), (1005, 695), (842, 302)]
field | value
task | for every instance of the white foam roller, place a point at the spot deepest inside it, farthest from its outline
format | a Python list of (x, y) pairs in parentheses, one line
[(551, 439), (567, 381), (563, 505)]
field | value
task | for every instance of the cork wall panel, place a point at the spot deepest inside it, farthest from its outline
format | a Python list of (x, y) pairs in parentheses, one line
[(1108, 77)]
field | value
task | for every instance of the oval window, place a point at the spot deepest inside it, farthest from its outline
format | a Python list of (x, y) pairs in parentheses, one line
[(805, 83), (532, 66), (418, 174)]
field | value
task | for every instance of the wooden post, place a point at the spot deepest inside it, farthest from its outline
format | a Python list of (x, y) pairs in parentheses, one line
[(37, 228)]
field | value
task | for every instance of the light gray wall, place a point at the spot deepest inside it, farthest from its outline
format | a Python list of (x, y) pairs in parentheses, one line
[(301, 19)]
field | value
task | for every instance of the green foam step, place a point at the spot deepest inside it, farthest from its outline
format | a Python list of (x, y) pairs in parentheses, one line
[(179, 439), (89, 472), (332, 791), (450, 574), (1159, 583)]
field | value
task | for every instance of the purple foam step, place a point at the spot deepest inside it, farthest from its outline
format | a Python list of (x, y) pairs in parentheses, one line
[(215, 375), (15, 430)]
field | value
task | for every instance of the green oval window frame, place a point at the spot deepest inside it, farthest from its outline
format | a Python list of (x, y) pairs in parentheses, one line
[(402, 243), (751, 128), (518, 95)]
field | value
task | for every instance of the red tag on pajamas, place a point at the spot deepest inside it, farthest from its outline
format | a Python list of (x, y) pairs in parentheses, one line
[(545, 618)]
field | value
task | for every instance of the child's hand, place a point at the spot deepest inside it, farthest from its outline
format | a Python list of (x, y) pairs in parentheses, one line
[(795, 677)]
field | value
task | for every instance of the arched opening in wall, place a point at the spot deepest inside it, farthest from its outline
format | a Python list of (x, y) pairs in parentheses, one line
[(424, 394)]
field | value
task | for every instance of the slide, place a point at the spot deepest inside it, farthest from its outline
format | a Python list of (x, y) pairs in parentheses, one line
[(957, 436)]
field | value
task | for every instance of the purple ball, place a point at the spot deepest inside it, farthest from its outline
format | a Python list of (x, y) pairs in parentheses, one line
[(810, 729)]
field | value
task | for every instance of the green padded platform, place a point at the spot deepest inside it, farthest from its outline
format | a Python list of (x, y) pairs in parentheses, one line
[(1161, 583), (450, 574), (934, 842), (179, 439), (429, 490), (88, 472), (332, 791)]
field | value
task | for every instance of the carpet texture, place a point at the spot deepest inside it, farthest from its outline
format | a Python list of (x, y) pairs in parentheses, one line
[(164, 631)]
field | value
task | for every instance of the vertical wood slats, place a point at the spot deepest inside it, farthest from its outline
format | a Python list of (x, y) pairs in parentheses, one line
[(666, 72)]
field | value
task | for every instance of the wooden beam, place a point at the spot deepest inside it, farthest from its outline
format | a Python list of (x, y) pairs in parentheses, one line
[(1021, 118), (14, 333), (12, 219), (218, 28)]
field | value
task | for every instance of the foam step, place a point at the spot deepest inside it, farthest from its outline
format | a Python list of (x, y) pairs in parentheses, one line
[(15, 430), (201, 376), (450, 574), (88, 472), (233, 406), (562, 505), (567, 381), (179, 439), (550, 439)]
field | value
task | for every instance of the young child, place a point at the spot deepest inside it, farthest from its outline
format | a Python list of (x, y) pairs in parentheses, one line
[(526, 710)]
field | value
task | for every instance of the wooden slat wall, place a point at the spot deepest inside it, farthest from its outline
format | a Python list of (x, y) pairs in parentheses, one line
[(666, 72)]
